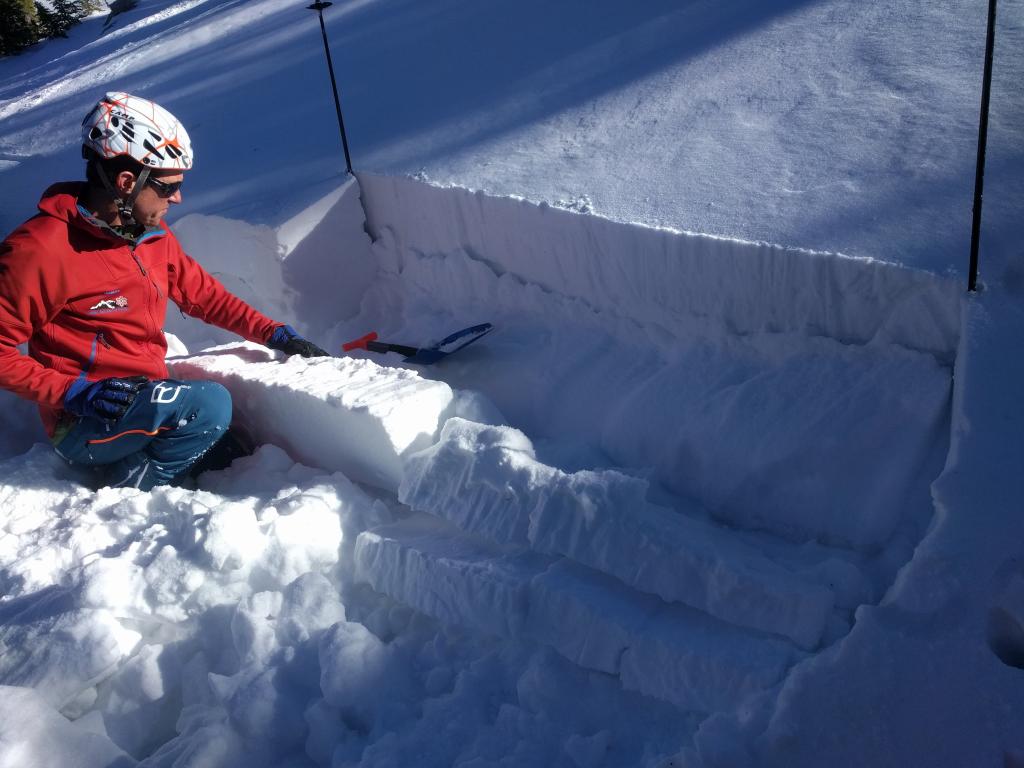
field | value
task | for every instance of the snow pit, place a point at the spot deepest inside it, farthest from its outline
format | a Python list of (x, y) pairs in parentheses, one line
[(747, 428), (341, 414), (754, 380)]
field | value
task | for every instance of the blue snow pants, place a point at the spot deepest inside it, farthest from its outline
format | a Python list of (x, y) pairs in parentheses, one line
[(166, 430)]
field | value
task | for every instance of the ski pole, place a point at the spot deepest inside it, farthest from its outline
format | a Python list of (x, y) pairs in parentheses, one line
[(979, 173), (319, 6)]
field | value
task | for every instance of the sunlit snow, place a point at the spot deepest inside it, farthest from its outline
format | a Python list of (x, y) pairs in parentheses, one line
[(735, 481)]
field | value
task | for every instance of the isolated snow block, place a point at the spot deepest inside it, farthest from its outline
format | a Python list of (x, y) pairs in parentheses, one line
[(697, 662), (444, 573), (486, 481), (336, 413), (482, 478), (140, 703), (602, 519)]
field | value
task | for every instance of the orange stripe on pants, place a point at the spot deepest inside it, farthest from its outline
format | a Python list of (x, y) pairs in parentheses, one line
[(128, 432)]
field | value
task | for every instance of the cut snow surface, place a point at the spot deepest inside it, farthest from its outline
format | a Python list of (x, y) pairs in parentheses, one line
[(348, 415), (668, 652)]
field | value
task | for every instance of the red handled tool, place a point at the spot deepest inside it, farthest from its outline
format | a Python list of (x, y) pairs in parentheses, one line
[(423, 355)]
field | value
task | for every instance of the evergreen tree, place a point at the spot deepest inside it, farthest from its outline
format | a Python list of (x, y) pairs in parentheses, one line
[(23, 22), (18, 26), (67, 13), (49, 26)]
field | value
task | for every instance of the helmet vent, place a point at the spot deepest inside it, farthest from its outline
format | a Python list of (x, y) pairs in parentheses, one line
[(148, 145)]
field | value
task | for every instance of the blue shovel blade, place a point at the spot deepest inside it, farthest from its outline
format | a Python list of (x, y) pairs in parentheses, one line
[(450, 344)]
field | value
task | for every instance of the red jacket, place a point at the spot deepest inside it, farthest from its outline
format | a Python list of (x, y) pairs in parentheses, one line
[(87, 301)]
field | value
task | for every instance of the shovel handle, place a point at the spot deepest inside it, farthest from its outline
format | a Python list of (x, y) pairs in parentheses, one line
[(402, 349), (360, 343), (370, 344)]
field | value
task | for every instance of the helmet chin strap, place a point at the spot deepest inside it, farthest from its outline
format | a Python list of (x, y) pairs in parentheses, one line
[(124, 205)]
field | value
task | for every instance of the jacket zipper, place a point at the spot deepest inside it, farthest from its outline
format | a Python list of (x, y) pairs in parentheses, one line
[(146, 274), (100, 339), (97, 340), (90, 364), (159, 293)]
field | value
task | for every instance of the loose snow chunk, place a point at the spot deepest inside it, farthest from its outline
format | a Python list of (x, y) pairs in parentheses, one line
[(233, 537), (310, 605), (353, 662), (455, 578), (34, 735), (486, 480), (140, 703), (304, 537), (60, 651), (341, 414)]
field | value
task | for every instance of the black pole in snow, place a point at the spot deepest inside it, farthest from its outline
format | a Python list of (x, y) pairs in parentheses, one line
[(979, 173), (319, 8)]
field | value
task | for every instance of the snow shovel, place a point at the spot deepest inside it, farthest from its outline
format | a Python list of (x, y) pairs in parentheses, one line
[(423, 355)]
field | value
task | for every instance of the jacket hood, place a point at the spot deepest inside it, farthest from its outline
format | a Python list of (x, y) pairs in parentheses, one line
[(60, 201)]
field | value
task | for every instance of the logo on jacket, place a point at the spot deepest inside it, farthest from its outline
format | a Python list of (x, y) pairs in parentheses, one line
[(116, 304)]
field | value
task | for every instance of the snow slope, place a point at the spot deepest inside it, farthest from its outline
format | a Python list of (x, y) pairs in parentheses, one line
[(828, 125), (697, 501)]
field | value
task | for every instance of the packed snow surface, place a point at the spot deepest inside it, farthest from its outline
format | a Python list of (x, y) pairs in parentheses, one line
[(711, 494)]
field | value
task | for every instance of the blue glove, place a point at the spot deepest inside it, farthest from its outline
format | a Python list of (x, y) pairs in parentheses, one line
[(288, 341), (107, 399)]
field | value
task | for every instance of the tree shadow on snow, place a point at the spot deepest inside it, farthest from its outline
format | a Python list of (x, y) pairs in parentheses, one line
[(467, 71)]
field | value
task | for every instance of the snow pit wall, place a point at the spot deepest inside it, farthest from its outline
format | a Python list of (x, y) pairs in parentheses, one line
[(672, 280), (672, 350)]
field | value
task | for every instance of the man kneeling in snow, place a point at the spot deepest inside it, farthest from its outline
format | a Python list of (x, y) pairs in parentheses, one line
[(86, 282)]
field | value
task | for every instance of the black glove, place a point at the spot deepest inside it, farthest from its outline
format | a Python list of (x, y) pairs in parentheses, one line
[(107, 399), (288, 341)]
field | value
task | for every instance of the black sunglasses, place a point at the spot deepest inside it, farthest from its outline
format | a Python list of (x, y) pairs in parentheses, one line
[(164, 189)]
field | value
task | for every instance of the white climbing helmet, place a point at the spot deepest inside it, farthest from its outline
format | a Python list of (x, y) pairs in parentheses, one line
[(122, 124)]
